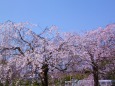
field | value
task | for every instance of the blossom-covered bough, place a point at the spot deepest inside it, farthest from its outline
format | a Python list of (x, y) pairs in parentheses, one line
[(25, 55), (97, 49), (15, 43)]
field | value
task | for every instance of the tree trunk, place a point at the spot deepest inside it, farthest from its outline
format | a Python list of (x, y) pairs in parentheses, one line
[(45, 75), (95, 75)]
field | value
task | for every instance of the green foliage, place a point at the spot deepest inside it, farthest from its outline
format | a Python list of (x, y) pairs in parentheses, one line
[(7, 83), (66, 77), (110, 75), (76, 76), (56, 82), (1, 84), (37, 84)]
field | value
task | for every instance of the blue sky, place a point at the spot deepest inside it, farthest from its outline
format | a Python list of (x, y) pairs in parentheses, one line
[(67, 15)]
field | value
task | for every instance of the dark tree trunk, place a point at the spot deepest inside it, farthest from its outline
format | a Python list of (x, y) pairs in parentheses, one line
[(95, 75), (45, 75)]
